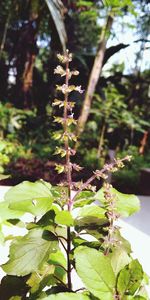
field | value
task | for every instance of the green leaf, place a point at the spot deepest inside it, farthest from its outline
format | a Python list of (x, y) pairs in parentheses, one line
[(51, 272), (77, 241), (130, 278), (64, 218), (15, 298), (126, 204), (123, 281), (13, 286), (34, 282), (91, 215), (28, 253), (2, 237), (146, 279), (119, 259), (93, 226), (67, 296), (7, 213), (96, 272), (84, 3), (140, 298), (38, 280), (2, 176), (117, 3), (134, 298), (58, 259), (33, 197), (142, 292), (84, 198), (92, 211), (122, 242)]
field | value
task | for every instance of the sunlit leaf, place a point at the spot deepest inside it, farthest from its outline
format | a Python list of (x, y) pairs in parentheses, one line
[(28, 253), (96, 272), (33, 197), (64, 218), (84, 198), (119, 259), (126, 205), (91, 214), (7, 213), (67, 296), (130, 278)]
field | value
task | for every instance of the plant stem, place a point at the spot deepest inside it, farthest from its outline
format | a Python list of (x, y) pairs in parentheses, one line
[(68, 258), (84, 185), (106, 251), (91, 179), (62, 237), (68, 164), (59, 280), (60, 266), (69, 177), (63, 245)]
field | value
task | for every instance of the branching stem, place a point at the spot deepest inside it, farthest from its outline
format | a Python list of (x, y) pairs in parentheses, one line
[(66, 121), (60, 266), (62, 237), (94, 176), (63, 245), (59, 280)]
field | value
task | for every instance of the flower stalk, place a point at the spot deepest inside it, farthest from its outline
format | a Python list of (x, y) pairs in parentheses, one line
[(66, 121), (68, 166), (112, 215), (66, 151)]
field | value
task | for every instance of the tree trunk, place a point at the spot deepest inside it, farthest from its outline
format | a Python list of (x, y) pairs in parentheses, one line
[(27, 78), (143, 143), (4, 34), (26, 51), (94, 76), (101, 140)]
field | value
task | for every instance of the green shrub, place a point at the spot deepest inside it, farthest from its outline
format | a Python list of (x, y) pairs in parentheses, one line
[(128, 179), (70, 232)]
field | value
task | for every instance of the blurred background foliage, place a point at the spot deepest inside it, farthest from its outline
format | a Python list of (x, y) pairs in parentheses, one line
[(32, 32)]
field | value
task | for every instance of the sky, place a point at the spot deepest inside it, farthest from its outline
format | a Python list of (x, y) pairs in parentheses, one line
[(126, 35)]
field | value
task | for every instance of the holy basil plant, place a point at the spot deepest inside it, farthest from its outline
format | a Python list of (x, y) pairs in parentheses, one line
[(72, 248)]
